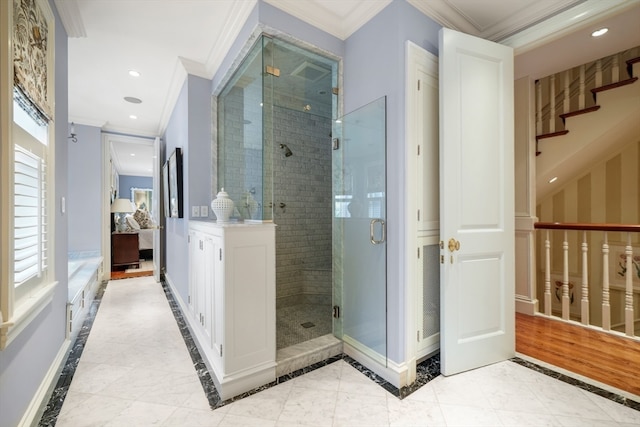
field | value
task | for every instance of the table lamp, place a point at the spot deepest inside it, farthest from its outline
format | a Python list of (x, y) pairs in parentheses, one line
[(122, 207)]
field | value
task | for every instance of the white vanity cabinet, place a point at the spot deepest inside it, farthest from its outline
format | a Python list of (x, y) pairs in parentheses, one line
[(232, 302), (202, 267)]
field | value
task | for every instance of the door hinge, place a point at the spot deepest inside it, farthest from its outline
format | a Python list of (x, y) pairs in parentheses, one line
[(418, 84), (336, 311), (220, 254), (336, 143), (441, 259), (418, 336), (418, 215), (273, 71), (335, 90), (418, 150), (189, 298), (220, 350), (418, 253)]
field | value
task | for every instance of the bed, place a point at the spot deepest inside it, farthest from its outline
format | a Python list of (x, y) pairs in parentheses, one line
[(142, 223)]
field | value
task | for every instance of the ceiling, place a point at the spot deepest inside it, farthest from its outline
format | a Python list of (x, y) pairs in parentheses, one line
[(166, 39)]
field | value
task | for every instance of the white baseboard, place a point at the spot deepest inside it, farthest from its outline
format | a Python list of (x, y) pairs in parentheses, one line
[(526, 306), (396, 374), (40, 398)]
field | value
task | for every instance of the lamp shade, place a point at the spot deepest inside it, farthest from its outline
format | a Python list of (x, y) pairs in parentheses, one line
[(122, 206)]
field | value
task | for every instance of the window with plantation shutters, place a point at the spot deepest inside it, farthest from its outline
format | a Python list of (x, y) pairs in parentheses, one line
[(30, 215), (27, 165)]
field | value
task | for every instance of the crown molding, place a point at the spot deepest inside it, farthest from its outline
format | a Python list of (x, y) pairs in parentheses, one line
[(71, 18), (445, 15), (534, 13), (568, 21), (361, 15), (195, 68), (315, 14), (178, 78), (235, 21)]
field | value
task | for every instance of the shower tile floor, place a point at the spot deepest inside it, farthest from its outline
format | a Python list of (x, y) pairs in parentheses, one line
[(302, 322)]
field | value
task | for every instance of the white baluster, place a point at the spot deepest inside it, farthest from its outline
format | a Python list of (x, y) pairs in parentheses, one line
[(547, 275), (584, 309), (615, 68), (606, 308), (538, 107), (581, 99), (628, 306), (552, 103), (598, 73), (566, 301), (566, 106)]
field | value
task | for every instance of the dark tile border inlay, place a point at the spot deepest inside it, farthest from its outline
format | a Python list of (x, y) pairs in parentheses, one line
[(198, 363), (578, 383), (426, 371), (52, 410)]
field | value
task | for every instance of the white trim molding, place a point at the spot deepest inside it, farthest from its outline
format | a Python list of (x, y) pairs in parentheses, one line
[(36, 406), (398, 374)]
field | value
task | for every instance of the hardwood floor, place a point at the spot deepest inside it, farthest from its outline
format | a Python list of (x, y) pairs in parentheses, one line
[(597, 355)]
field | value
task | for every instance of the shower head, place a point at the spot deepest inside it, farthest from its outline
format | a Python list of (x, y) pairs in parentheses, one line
[(287, 151)]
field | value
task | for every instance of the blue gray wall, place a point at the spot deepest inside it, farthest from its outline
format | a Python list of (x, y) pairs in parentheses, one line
[(26, 361), (190, 129), (84, 200), (199, 160), (127, 181), (374, 66)]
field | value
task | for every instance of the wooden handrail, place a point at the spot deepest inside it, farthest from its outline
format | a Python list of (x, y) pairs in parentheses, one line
[(584, 226)]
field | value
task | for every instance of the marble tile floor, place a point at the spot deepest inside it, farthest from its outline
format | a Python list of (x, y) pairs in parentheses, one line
[(135, 370)]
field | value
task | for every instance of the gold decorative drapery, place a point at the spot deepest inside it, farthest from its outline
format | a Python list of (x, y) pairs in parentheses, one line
[(30, 43)]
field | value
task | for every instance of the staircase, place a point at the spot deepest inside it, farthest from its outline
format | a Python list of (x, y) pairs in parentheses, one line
[(573, 130)]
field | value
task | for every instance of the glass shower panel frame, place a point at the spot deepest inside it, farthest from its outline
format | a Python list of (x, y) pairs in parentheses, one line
[(360, 275)]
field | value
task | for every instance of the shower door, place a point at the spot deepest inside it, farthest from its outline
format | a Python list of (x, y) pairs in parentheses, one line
[(360, 230)]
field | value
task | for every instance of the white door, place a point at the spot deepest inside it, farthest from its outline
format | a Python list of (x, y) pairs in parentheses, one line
[(476, 202), (155, 208)]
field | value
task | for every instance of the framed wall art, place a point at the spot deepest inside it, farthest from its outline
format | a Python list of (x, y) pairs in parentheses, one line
[(175, 184)]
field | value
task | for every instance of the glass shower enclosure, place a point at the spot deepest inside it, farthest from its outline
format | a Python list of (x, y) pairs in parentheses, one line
[(284, 156)]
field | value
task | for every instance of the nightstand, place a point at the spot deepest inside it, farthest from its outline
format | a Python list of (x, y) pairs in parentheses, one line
[(124, 249)]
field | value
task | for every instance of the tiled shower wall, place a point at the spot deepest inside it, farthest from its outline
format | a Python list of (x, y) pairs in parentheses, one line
[(302, 182)]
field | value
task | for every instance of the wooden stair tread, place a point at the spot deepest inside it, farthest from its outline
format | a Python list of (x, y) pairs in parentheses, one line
[(551, 135), (578, 112), (633, 61), (630, 63), (613, 85)]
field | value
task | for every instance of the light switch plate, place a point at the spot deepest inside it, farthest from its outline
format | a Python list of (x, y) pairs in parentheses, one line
[(195, 211), (204, 211)]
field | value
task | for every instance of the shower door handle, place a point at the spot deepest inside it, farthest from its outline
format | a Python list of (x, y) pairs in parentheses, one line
[(383, 230)]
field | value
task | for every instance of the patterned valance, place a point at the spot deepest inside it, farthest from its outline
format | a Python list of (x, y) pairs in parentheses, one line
[(30, 44)]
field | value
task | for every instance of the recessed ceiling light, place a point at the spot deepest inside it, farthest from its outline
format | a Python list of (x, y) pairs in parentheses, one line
[(133, 117), (132, 154), (552, 180), (134, 73), (133, 99), (600, 32)]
